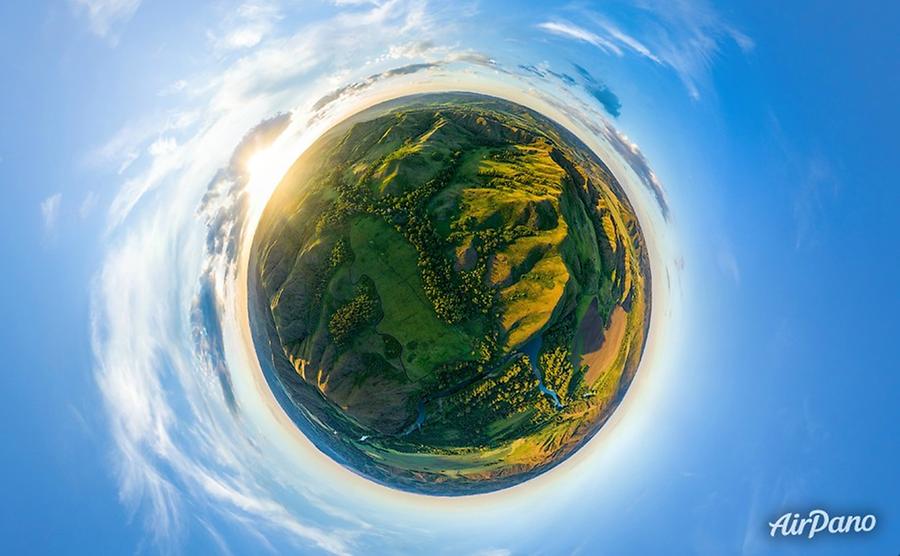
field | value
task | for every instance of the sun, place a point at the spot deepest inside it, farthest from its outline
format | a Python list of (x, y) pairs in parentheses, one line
[(263, 172)]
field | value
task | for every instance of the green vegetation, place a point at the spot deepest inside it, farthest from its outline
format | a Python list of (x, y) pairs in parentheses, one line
[(555, 361), (348, 319), (439, 277), (392, 265)]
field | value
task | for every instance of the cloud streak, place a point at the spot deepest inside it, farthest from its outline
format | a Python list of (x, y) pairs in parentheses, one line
[(572, 31), (165, 393), (685, 37)]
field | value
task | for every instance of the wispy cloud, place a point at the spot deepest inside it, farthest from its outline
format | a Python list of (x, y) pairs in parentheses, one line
[(817, 179), (357, 86), (173, 442), (250, 23), (128, 143), (817, 189), (684, 36), (572, 31), (616, 34), (50, 212), (104, 15), (165, 158)]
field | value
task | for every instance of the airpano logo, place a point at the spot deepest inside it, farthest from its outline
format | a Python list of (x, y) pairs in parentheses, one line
[(819, 522)]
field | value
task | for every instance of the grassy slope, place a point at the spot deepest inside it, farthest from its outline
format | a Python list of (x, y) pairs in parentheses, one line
[(530, 271), (382, 254)]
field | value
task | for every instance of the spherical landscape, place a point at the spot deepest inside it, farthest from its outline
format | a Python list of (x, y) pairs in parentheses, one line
[(449, 294)]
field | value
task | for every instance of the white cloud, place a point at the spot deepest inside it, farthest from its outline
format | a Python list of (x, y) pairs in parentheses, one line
[(247, 26), (275, 512), (50, 211), (166, 157), (415, 49), (243, 38), (162, 146), (686, 37), (125, 146), (745, 42), (128, 159), (634, 44), (120, 149), (103, 15), (572, 31), (166, 419)]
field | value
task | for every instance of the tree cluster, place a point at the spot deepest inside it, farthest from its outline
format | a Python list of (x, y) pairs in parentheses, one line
[(555, 358), (453, 296), (364, 308)]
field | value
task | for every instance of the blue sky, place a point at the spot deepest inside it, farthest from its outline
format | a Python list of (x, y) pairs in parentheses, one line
[(770, 128)]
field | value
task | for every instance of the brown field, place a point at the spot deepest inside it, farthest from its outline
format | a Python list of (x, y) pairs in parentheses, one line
[(598, 361)]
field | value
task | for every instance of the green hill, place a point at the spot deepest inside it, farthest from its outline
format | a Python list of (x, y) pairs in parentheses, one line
[(437, 279)]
